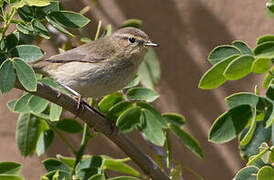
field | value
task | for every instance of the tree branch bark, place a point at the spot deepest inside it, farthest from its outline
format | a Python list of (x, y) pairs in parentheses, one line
[(97, 121)]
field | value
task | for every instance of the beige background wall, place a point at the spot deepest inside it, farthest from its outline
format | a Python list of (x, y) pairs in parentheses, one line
[(186, 31)]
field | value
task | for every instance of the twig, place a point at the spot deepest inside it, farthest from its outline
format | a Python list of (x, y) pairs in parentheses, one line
[(101, 124)]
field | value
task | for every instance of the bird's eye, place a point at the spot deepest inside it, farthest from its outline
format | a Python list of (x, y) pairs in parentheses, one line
[(132, 40)]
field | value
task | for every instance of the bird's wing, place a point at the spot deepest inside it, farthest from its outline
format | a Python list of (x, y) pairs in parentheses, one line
[(93, 52)]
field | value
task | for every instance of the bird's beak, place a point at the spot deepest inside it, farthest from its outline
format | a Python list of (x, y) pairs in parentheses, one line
[(149, 43)]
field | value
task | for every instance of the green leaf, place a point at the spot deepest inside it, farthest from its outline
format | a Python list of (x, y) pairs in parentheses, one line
[(149, 70), (21, 104), (129, 119), (239, 67), (38, 104), (108, 30), (40, 29), (9, 177), (116, 110), (29, 53), (52, 164), (10, 41), (17, 3), (214, 77), (28, 130), (227, 126), (265, 38), (109, 100), (247, 173), (222, 52), (266, 173), (12, 168), (243, 47), (89, 167), (265, 50), (43, 11), (26, 13), (69, 125), (268, 78), (44, 141), (97, 177), (169, 151), (37, 2), (133, 83), (260, 135), (119, 166), (137, 23), (270, 92), (24, 28), (142, 94), (25, 74), (7, 75), (152, 128), (70, 161), (173, 118), (190, 142), (248, 136), (123, 178), (242, 98), (69, 19), (55, 112), (57, 175), (261, 65), (155, 113), (58, 26)]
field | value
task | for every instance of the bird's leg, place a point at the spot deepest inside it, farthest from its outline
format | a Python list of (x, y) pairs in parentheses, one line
[(77, 96)]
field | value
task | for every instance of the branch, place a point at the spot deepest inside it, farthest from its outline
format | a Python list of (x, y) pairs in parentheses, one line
[(96, 120)]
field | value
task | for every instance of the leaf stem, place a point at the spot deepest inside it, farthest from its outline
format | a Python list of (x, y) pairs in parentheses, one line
[(98, 30), (62, 137), (257, 157)]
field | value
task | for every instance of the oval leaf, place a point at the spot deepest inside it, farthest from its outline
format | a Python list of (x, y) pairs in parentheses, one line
[(21, 104), (190, 142), (58, 26), (222, 52), (214, 77), (109, 100), (239, 67), (129, 119), (142, 94), (7, 76), (13, 168), (242, 98), (152, 128), (230, 124), (52, 164), (69, 19), (265, 38), (44, 142), (10, 177), (28, 130), (247, 173), (69, 125), (55, 112), (38, 104), (25, 74), (261, 65), (29, 53), (174, 118), (37, 2), (243, 47), (266, 173), (116, 110), (265, 50)]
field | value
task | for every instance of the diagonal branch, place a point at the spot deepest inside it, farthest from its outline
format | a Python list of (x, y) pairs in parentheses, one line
[(97, 121)]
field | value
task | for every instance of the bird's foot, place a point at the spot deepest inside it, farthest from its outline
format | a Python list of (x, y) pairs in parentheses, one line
[(80, 105)]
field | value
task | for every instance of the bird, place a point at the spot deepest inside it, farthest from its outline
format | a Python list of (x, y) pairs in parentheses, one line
[(99, 67)]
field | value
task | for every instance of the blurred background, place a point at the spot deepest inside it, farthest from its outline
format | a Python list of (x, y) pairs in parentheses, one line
[(186, 30)]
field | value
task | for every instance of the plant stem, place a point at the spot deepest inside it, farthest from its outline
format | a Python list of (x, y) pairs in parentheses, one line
[(257, 157), (98, 30), (62, 137), (7, 23), (80, 152)]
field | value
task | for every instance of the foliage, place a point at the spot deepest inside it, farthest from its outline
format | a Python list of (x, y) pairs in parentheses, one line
[(40, 120), (250, 116)]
